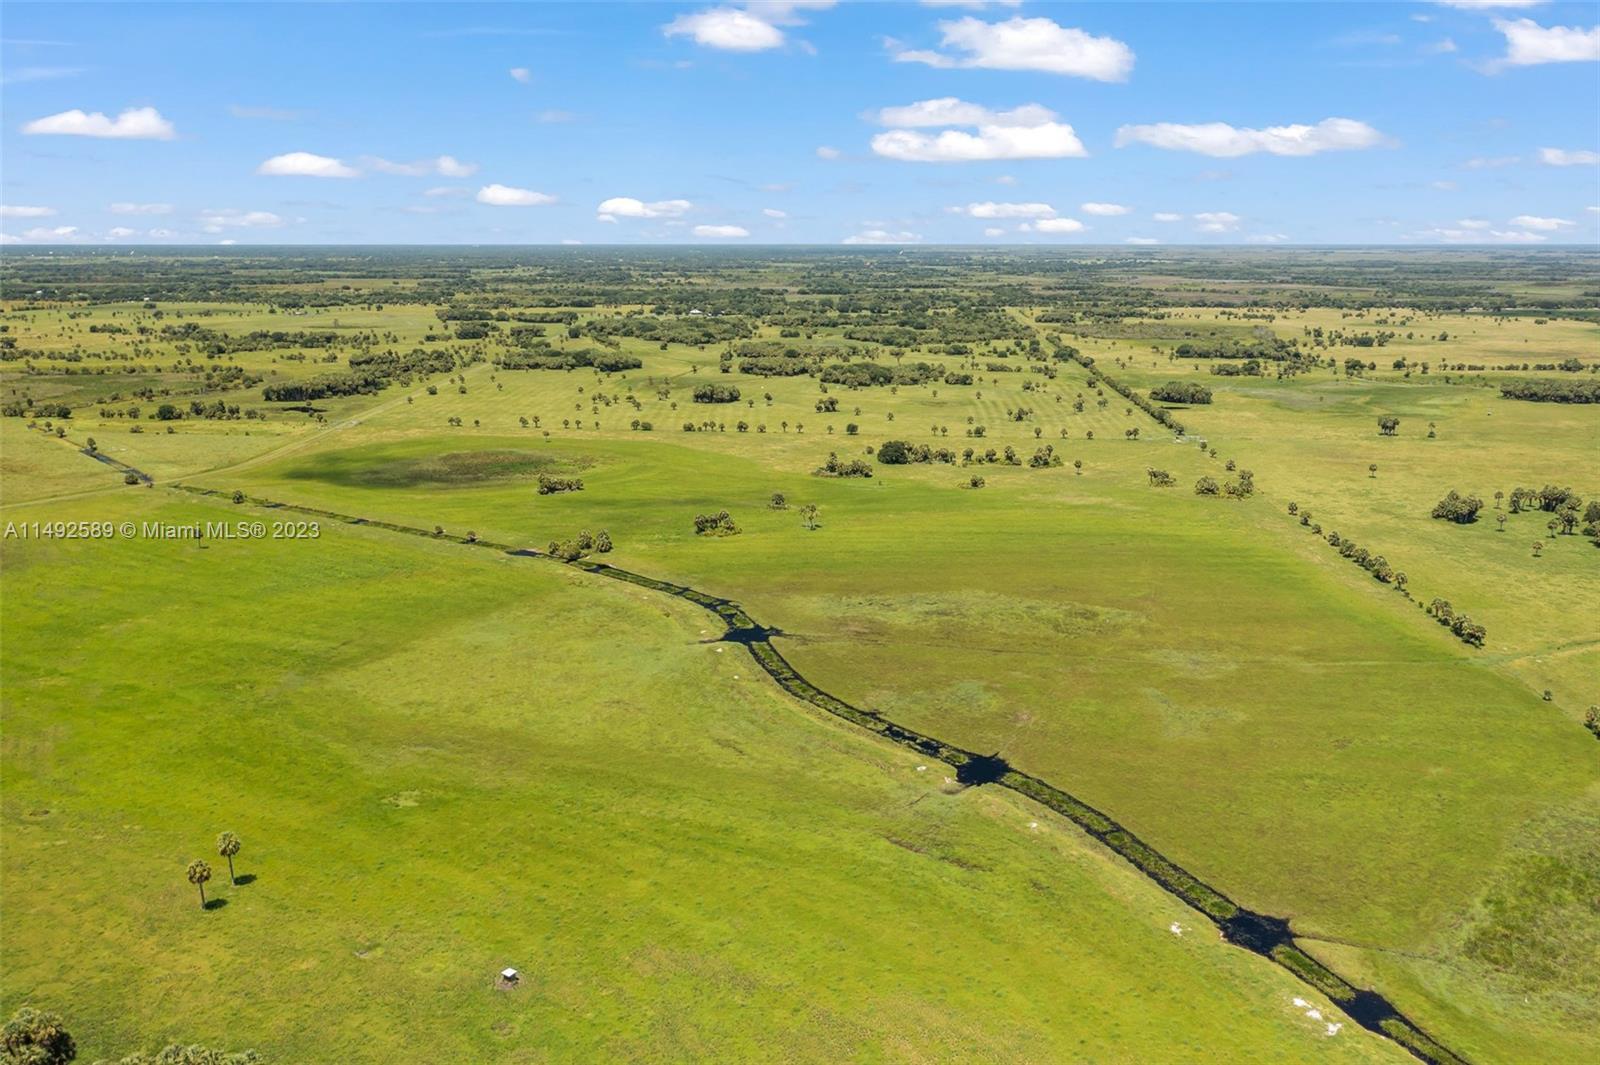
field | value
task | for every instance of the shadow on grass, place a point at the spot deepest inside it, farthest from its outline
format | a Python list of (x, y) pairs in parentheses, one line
[(244, 878), (214, 904)]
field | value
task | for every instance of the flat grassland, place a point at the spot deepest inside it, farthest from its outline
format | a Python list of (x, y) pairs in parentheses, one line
[(444, 761)]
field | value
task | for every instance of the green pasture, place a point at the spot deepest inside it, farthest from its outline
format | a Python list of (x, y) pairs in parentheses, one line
[(443, 761), (1314, 438), (1103, 634)]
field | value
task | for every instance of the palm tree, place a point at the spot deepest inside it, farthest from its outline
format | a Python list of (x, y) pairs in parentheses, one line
[(228, 845), (199, 872), (37, 1036)]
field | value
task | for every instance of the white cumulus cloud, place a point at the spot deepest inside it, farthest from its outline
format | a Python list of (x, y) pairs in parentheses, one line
[(1103, 209), (1027, 132), (217, 220), (521, 74), (628, 207), (306, 164), (10, 210), (140, 208), (750, 27), (1223, 140), (1023, 44), (1448, 235), (52, 234), (136, 123), (1530, 44), (727, 28), (439, 166), (1546, 225), (990, 209), (773, 212), (1217, 221), (882, 236), (1563, 157), (1167, 216), (826, 152), (510, 196), (1056, 225), (951, 111), (720, 231)]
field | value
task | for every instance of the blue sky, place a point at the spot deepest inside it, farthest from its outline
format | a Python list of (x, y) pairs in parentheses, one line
[(801, 122)]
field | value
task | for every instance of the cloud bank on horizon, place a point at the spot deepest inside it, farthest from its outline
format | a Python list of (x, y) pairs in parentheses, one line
[(807, 121)]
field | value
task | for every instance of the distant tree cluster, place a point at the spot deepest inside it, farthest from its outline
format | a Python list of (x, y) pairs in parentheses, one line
[(1243, 486), (1181, 392), (20, 408), (1160, 478), (1248, 368), (835, 467), (693, 329), (545, 357), (1550, 498), (1044, 458), (1160, 414), (1553, 391), (1464, 628), (901, 453), (581, 545), (369, 373), (872, 374), (716, 394)]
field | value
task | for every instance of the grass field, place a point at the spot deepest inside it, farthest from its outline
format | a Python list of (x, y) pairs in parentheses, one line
[(443, 761)]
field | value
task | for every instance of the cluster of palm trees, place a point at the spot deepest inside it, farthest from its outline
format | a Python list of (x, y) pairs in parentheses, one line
[(199, 870)]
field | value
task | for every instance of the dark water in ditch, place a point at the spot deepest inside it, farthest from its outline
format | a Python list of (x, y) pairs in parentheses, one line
[(1263, 934)]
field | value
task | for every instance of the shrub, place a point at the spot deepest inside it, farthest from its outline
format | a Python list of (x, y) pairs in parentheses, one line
[(718, 524), (894, 453), (834, 468), (1463, 510), (549, 484)]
